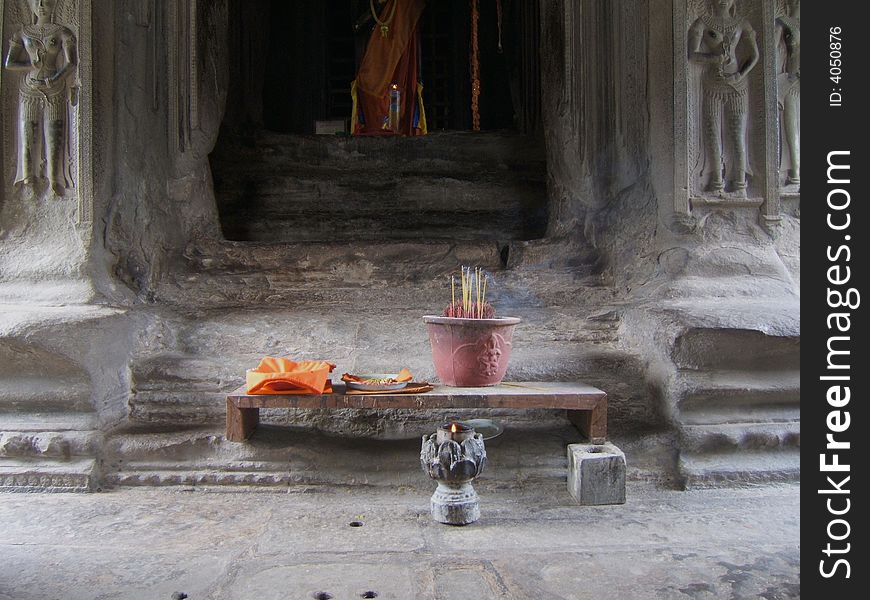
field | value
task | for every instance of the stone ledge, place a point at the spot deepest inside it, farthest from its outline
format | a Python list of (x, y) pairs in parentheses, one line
[(34, 421), (49, 444), (48, 476)]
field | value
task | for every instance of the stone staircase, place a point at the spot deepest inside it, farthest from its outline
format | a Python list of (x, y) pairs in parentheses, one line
[(737, 406), (336, 248), (449, 185), (254, 304)]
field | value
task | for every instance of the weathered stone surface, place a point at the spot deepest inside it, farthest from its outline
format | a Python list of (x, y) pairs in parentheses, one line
[(596, 474), (319, 580), (468, 582), (141, 316), (538, 544)]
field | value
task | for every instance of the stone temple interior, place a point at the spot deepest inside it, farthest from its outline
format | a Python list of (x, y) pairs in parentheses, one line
[(184, 220)]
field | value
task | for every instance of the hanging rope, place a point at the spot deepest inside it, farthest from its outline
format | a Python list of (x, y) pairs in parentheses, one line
[(475, 66)]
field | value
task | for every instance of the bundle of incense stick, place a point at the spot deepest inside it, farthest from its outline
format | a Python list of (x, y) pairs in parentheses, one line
[(472, 303)]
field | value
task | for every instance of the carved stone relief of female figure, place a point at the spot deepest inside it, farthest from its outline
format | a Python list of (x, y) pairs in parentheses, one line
[(46, 54), (788, 89), (714, 39)]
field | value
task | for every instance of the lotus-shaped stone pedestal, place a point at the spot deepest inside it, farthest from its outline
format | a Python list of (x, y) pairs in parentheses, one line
[(454, 456)]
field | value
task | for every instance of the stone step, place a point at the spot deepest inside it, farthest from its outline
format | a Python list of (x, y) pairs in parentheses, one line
[(178, 390), (507, 225), (414, 259), (48, 475), (336, 194), (282, 188), (728, 396), (171, 406), (735, 350), (189, 387), (278, 476), (29, 444), (739, 468), (282, 456), (722, 415), (454, 148), (49, 435), (401, 275), (296, 209), (740, 436), (218, 347), (375, 172), (49, 421), (48, 393), (737, 396)]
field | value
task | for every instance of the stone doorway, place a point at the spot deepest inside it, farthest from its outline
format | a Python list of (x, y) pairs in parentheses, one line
[(292, 65)]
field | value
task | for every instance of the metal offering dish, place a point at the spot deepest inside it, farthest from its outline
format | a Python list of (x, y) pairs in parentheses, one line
[(374, 382), (485, 427)]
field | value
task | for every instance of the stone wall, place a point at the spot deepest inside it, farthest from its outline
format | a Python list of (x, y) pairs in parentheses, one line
[(126, 276)]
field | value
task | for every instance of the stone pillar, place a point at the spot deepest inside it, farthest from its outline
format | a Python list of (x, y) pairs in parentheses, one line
[(63, 356), (183, 76)]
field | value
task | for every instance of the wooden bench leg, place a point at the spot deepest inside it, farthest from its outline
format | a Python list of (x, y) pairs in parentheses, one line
[(591, 423), (241, 422)]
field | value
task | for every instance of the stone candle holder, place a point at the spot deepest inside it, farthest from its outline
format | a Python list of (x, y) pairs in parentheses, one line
[(453, 456)]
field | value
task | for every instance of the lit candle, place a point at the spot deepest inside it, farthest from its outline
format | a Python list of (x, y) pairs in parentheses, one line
[(395, 111), (458, 432)]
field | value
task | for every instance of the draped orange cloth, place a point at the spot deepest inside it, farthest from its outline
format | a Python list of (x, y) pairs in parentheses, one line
[(391, 59), (285, 376)]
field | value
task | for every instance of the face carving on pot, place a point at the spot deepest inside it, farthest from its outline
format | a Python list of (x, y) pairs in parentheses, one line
[(490, 356), (470, 352)]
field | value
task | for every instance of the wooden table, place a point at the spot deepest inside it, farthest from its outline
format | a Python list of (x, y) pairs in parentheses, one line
[(585, 405)]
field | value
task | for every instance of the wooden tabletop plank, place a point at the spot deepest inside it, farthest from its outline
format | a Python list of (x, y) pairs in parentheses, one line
[(553, 395)]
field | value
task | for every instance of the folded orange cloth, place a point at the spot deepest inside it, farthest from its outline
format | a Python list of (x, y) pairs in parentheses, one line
[(285, 376), (403, 375)]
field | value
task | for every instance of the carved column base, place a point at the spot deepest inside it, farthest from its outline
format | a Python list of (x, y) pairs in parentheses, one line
[(455, 504)]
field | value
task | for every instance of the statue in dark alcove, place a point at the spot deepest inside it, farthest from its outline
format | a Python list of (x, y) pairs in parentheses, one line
[(46, 54), (389, 73)]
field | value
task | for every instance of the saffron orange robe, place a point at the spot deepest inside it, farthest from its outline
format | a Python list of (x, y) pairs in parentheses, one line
[(388, 60)]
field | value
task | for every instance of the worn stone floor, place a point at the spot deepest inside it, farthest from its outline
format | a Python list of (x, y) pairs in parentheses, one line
[(532, 542)]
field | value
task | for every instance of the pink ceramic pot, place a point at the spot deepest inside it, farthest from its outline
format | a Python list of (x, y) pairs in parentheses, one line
[(470, 352)]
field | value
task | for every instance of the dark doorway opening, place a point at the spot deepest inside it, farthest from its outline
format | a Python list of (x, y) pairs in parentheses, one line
[(305, 55), (292, 64)]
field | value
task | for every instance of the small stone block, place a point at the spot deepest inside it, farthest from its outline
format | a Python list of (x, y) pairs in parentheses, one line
[(596, 474)]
